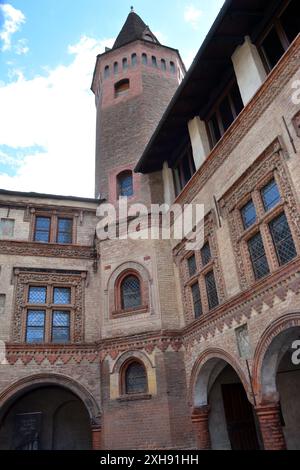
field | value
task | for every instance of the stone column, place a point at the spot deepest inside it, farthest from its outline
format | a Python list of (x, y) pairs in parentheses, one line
[(96, 437), (270, 425), (200, 422)]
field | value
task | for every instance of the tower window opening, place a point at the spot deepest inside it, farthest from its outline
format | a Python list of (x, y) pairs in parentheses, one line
[(125, 184), (106, 71), (144, 59), (172, 67), (148, 37), (154, 61), (116, 68), (122, 87), (125, 63), (163, 65), (133, 60)]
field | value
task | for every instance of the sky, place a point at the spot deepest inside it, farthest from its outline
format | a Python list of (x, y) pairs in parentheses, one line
[(48, 50)]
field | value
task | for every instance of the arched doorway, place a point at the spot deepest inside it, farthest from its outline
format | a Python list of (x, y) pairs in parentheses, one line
[(232, 423), (277, 378), (47, 418), (47, 412)]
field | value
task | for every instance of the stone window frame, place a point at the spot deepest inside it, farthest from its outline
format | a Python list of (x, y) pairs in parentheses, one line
[(187, 281), (117, 376), (143, 308), (54, 216), (122, 379), (27, 278), (270, 165)]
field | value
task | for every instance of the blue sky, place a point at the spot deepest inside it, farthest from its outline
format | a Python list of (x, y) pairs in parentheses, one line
[(47, 56)]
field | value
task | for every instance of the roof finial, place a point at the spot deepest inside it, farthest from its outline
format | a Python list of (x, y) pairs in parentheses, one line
[(132, 9)]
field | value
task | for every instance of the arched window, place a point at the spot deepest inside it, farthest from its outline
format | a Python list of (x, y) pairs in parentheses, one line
[(116, 68), (125, 63), (172, 67), (131, 292), (125, 184), (154, 61), (148, 37), (133, 60), (122, 87), (106, 71), (144, 59), (163, 65), (135, 378)]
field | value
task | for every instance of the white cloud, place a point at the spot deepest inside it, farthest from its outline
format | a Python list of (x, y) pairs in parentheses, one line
[(21, 47), (13, 20), (192, 15), (56, 112)]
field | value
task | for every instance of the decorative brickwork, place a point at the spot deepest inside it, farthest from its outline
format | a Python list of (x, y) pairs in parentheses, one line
[(181, 256), (269, 165), (12, 247), (23, 279)]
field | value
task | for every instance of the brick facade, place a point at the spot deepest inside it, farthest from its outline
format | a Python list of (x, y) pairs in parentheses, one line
[(190, 363)]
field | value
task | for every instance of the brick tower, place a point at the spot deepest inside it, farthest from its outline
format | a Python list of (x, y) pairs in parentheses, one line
[(133, 84)]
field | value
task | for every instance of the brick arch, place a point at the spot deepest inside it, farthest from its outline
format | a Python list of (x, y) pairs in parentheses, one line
[(273, 344), (33, 382), (132, 355), (119, 367), (212, 359)]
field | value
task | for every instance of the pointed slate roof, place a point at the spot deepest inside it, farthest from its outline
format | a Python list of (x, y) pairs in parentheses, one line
[(133, 29)]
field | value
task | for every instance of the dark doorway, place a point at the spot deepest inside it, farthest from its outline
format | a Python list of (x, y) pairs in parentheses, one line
[(239, 418), (46, 418)]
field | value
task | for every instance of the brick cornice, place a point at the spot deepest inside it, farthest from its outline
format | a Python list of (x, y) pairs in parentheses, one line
[(25, 248), (273, 85), (236, 309), (264, 291)]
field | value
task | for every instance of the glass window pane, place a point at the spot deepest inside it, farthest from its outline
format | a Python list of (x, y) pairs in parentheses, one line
[(131, 293), (211, 289), (258, 256), (192, 265), (62, 295), (35, 326), (134, 59), (206, 254), (65, 229), (197, 300), (125, 185), (248, 214), (136, 379), (144, 59), (283, 240), (154, 61), (61, 318), (60, 327), (42, 229), (270, 195), (37, 295)]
